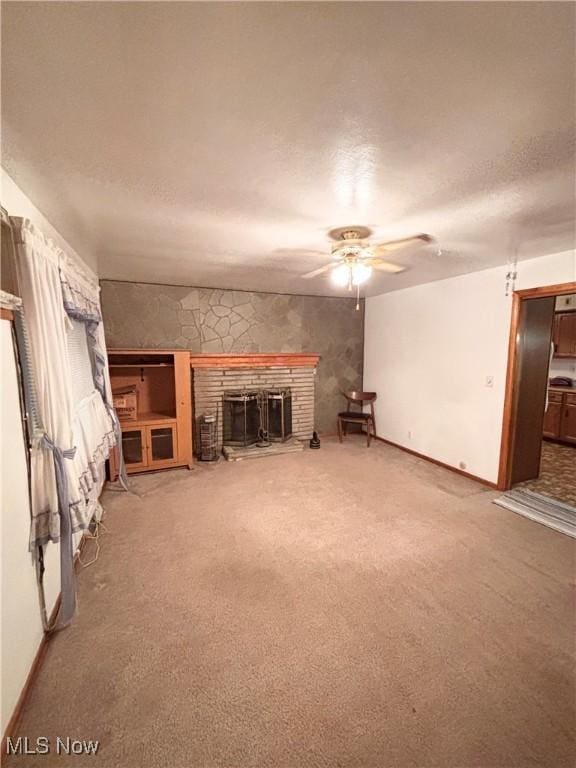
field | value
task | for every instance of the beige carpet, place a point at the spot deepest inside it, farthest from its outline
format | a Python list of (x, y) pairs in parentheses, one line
[(345, 607)]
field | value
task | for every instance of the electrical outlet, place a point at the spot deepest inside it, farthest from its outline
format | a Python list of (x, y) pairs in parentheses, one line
[(489, 381)]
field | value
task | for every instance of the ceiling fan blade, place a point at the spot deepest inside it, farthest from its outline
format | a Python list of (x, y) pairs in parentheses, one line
[(393, 245), (316, 272), (386, 266)]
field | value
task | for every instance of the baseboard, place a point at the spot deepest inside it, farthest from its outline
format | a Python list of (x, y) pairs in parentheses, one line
[(458, 471), (37, 662)]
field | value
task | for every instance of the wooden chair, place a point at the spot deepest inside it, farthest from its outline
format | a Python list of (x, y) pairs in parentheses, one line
[(358, 417)]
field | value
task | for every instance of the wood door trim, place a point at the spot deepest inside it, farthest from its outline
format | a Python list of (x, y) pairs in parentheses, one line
[(560, 289), (507, 423), (505, 464), (6, 314)]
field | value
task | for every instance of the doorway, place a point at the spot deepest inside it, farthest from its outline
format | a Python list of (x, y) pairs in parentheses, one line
[(539, 426)]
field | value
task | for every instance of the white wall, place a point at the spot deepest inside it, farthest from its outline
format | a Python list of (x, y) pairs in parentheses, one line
[(428, 351), (17, 203), (21, 622), (20, 611), (566, 302)]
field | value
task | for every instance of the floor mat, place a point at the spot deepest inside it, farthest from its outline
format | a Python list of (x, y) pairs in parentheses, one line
[(542, 509)]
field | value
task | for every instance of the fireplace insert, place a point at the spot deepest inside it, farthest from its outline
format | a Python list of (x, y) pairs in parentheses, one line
[(241, 418), (277, 413)]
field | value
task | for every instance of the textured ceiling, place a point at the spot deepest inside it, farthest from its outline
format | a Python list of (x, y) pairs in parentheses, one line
[(215, 143)]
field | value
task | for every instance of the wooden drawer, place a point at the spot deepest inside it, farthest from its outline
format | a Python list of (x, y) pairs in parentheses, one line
[(570, 398), (555, 397)]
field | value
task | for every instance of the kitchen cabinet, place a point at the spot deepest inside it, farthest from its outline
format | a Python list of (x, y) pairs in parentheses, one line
[(552, 419), (564, 334), (560, 417), (568, 423)]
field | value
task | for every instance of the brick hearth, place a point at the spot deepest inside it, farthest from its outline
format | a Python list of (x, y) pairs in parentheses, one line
[(215, 374)]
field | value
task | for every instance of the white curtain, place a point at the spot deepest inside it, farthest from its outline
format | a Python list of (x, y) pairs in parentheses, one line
[(72, 438), (39, 277)]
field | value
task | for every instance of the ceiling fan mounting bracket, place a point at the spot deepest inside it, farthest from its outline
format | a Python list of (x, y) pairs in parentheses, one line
[(349, 233)]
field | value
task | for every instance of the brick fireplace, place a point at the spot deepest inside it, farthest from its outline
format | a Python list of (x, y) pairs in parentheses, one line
[(215, 374)]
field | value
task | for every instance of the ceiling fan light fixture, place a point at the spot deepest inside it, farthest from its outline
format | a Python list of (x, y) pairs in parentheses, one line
[(354, 258), (341, 275), (360, 273), (351, 250)]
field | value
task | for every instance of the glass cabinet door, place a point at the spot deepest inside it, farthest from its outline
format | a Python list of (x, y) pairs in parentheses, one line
[(133, 446), (162, 443)]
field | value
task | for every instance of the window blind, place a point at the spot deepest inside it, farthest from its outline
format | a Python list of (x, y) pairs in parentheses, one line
[(80, 363)]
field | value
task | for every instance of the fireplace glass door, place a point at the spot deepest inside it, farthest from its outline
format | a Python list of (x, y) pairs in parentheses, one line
[(277, 405), (241, 420)]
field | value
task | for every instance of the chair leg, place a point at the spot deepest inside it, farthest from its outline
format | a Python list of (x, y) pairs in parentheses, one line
[(368, 427), (339, 430)]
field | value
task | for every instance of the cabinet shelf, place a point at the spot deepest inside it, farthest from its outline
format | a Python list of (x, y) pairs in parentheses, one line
[(141, 365), (146, 418)]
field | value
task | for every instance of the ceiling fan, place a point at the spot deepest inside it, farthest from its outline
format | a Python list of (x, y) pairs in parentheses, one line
[(354, 257)]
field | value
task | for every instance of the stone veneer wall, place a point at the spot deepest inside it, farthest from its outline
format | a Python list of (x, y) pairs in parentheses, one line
[(212, 320), (211, 383)]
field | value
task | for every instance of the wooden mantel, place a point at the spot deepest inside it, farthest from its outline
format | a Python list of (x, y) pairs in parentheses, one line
[(253, 360)]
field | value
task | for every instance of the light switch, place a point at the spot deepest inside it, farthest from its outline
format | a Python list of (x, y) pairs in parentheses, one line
[(489, 381)]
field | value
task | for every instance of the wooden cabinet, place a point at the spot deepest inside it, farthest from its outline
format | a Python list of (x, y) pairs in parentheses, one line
[(552, 419), (162, 444), (161, 435), (560, 417), (568, 422), (150, 446), (134, 447), (564, 334)]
